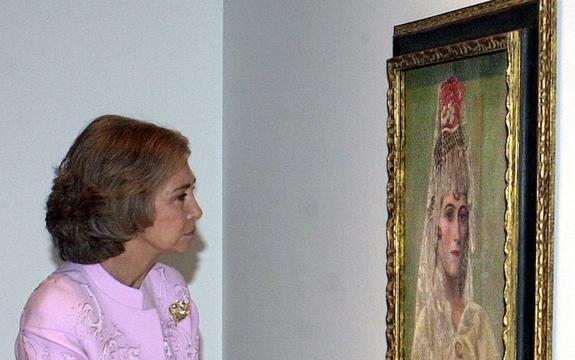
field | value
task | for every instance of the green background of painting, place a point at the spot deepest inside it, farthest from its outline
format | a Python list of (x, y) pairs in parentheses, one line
[(485, 93)]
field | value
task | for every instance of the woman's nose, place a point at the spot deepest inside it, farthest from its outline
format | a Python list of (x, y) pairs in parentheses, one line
[(195, 212), (457, 232)]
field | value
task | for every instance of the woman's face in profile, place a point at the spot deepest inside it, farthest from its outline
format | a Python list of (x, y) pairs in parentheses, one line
[(176, 213), (453, 233)]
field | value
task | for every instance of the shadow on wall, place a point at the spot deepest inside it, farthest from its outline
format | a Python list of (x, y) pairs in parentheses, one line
[(187, 264)]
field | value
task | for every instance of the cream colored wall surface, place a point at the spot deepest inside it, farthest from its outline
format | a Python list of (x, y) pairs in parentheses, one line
[(64, 63)]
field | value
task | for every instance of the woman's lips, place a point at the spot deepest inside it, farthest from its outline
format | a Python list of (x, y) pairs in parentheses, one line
[(456, 253)]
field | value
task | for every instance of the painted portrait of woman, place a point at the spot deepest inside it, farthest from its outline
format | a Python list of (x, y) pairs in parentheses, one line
[(448, 323)]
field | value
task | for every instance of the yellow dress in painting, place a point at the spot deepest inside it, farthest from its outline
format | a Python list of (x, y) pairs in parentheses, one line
[(435, 337)]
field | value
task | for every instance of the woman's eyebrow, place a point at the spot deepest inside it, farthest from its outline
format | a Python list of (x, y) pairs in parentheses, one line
[(185, 186)]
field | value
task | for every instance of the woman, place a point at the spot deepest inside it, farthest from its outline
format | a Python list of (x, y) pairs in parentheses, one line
[(122, 196), (449, 324)]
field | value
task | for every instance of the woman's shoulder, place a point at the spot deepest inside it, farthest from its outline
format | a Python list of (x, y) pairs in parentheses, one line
[(476, 328), (167, 275), (56, 297), (170, 273), (170, 279), (473, 316), (473, 309), (64, 284)]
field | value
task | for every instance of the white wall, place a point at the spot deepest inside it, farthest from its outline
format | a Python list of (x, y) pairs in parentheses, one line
[(304, 176), (66, 62)]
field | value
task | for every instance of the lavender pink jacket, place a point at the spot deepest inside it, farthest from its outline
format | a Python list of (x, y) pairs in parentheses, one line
[(81, 312)]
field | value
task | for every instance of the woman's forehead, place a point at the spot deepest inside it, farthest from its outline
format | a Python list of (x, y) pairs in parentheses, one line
[(183, 176), (454, 197)]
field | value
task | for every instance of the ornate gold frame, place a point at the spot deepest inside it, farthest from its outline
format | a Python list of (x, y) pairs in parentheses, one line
[(545, 177), (456, 16), (509, 42)]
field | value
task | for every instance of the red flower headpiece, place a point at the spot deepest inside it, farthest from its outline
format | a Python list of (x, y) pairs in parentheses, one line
[(451, 92)]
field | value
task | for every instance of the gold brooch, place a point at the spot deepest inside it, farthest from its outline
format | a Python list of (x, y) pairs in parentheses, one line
[(179, 310)]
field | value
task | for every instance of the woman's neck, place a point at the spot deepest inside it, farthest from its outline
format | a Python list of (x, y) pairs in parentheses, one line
[(454, 296), (130, 267)]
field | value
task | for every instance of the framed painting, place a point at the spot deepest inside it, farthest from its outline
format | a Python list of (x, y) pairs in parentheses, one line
[(470, 194)]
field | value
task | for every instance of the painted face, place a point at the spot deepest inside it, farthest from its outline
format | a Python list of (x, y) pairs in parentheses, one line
[(453, 233), (176, 214)]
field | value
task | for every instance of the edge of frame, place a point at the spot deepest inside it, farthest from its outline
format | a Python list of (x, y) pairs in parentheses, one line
[(393, 162), (456, 16), (547, 63), (513, 104), (545, 177), (395, 226)]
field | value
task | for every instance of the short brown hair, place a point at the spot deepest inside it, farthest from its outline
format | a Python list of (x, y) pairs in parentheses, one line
[(102, 193)]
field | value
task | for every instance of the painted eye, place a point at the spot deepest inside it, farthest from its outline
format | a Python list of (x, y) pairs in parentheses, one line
[(463, 215), (448, 214), (182, 197)]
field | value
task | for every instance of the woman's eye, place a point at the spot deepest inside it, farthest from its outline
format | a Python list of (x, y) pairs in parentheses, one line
[(448, 214), (182, 197)]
